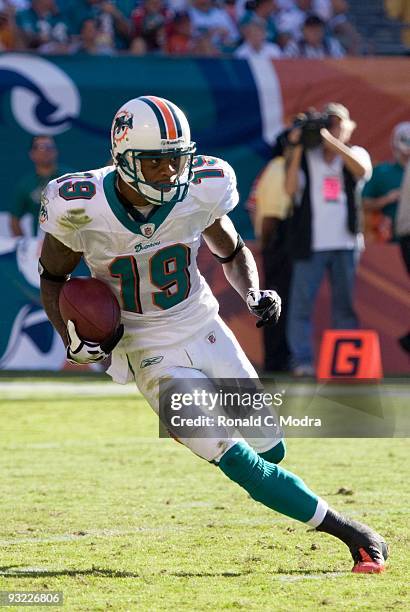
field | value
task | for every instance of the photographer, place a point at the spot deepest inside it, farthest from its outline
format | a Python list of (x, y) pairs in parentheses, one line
[(323, 175)]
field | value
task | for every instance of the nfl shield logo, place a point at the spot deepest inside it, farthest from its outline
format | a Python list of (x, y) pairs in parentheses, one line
[(148, 229), (211, 338)]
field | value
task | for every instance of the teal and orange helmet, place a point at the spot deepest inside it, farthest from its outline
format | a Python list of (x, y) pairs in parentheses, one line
[(151, 127)]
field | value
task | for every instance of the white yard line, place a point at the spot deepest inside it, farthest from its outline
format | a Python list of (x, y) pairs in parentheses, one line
[(94, 533), (61, 389), (291, 578)]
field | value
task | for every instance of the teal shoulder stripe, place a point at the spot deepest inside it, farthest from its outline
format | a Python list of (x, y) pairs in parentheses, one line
[(157, 215)]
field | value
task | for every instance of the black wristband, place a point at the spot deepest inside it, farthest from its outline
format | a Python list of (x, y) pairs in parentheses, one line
[(44, 273), (239, 246)]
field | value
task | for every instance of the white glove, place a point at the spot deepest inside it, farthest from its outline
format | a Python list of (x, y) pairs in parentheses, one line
[(265, 304), (83, 351)]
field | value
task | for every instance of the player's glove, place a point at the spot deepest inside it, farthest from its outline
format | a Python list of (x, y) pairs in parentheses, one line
[(265, 304), (83, 351)]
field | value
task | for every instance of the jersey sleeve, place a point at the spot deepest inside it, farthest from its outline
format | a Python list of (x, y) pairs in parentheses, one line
[(62, 218), (221, 189)]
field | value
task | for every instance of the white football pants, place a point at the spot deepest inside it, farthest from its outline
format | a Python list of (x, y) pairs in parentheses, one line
[(213, 352)]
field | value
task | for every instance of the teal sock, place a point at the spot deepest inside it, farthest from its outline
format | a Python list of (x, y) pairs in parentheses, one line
[(275, 454), (270, 484)]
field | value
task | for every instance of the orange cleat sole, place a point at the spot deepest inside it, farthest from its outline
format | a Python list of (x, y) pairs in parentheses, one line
[(368, 567)]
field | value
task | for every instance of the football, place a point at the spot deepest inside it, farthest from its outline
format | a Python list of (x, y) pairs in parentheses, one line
[(92, 307)]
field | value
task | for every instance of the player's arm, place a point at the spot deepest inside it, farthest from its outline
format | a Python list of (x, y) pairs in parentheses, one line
[(240, 269), (57, 262)]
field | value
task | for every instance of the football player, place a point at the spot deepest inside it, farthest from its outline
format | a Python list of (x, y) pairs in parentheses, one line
[(138, 224)]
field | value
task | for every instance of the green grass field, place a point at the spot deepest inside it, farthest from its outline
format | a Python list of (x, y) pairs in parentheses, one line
[(95, 505)]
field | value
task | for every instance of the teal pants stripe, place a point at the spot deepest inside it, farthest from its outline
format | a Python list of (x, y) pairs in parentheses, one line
[(268, 483)]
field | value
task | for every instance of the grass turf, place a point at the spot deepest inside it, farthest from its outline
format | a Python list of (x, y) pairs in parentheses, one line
[(95, 505)]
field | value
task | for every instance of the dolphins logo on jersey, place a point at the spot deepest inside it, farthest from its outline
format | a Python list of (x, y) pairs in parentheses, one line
[(43, 98), (122, 123)]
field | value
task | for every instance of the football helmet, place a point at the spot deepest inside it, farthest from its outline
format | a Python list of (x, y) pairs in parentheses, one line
[(149, 127)]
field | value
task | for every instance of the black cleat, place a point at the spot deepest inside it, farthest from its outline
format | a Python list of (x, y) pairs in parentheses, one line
[(369, 551)]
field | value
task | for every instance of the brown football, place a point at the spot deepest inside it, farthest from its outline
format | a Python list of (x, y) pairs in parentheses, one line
[(92, 307)]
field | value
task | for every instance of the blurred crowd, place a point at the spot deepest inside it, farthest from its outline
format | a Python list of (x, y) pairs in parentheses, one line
[(244, 28)]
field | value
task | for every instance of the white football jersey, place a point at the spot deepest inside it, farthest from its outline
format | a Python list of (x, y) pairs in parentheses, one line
[(150, 264)]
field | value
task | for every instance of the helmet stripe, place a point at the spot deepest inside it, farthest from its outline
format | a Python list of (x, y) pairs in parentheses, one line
[(159, 116), (168, 116), (176, 119)]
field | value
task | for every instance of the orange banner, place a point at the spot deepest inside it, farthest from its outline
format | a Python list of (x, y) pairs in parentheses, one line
[(376, 91)]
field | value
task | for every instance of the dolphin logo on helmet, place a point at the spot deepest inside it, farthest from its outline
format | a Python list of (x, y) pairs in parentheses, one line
[(150, 127), (123, 121)]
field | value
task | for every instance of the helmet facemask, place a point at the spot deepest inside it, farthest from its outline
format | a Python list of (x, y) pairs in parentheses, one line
[(129, 167)]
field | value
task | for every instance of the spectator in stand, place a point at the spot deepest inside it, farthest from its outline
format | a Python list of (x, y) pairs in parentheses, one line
[(341, 28), (403, 232), (17, 5), (400, 9), (151, 22), (321, 8), (291, 19), (314, 43), (10, 39), (43, 28), (113, 18), (208, 19), (255, 44), (137, 47), (203, 45), (265, 11), (324, 182), (232, 12), (179, 39), (91, 42), (44, 155), (382, 192)]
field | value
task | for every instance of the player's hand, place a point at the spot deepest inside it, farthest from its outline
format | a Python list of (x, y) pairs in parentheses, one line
[(82, 351), (265, 304)]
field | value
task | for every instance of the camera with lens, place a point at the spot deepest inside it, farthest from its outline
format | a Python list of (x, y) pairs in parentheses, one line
[(311, 123)]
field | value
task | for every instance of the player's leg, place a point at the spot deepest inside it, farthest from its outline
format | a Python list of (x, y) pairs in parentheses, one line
[(307, 277), (174, 376), (286, 493), (218, 354), (267, 483), (342, 271)]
